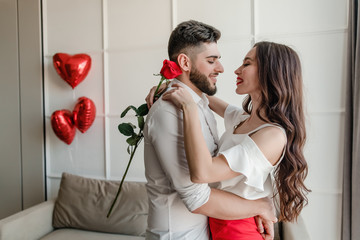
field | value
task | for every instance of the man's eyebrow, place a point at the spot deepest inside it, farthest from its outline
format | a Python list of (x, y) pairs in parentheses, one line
[(213, 56)]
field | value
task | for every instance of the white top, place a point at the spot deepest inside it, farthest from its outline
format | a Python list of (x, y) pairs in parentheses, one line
[(244, 156), (172, 195)]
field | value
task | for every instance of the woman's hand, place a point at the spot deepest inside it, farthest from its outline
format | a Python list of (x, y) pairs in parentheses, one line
[(179, 96), (150, 99)]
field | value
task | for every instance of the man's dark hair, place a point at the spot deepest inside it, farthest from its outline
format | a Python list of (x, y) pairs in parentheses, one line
[(190, 34)]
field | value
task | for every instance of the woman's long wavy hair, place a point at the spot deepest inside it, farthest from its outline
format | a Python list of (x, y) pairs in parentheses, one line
[(280, 80)]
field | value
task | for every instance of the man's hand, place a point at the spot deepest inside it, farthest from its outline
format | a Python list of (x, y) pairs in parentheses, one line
[(266, 219), (151, 98), (267, 209), (265, 227)]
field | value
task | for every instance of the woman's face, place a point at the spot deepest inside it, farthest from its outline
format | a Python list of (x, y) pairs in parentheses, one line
[(247, 81)]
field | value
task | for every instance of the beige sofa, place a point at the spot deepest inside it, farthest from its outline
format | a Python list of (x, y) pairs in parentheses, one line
[(80, 210)]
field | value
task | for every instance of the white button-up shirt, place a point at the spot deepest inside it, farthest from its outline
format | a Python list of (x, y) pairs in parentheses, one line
[(172, 195)]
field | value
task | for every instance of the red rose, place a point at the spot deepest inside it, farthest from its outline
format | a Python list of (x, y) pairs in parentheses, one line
[(170, 70)]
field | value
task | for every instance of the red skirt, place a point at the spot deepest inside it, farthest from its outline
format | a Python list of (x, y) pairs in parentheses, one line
[(242, 229)]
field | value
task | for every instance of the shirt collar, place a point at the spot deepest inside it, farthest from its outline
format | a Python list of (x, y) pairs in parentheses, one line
[(203, 100)]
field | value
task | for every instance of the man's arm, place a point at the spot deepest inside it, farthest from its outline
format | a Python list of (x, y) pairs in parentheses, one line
[(226, 205), (164, 130)]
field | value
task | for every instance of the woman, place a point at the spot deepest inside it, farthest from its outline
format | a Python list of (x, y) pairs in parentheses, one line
[(262, 146)]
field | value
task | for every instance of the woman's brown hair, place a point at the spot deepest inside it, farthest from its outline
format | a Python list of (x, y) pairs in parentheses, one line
[(280, 80)]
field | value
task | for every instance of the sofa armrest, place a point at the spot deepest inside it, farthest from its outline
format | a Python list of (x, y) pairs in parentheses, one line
[(32, 223), (296, 230)]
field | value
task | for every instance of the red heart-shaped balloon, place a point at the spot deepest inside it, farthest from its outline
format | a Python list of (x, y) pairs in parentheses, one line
[(63, 125), (72, 68), (84, 114)]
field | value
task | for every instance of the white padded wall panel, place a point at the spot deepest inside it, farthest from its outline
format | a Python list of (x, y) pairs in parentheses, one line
[(323, 150), (232, 17), (324, 58), (85, 155), (134, 24), (322, 216), (131, 76), (284, 16), (73, 25), (53, 185)]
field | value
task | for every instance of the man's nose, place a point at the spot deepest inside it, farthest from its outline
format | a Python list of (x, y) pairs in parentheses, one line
[(219, 68)]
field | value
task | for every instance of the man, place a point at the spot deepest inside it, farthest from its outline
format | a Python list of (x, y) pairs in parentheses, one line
[(178, 208)]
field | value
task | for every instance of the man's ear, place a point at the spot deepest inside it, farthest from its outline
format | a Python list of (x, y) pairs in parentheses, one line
[(184, 62)]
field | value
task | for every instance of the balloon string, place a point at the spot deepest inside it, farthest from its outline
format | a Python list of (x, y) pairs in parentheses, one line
[(74, 146), (75, 150), (70, 155)]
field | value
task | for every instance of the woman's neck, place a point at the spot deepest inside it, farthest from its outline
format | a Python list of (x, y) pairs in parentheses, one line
[(255, 102)]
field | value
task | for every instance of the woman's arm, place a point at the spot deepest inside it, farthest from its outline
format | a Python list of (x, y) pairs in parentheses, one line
[(203, 167), (217, 105)]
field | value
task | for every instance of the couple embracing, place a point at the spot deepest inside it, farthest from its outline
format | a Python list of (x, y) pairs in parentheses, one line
[(204, 187)]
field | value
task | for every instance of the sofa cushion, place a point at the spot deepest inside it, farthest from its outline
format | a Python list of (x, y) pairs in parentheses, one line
[(83, 203), (75, 234)]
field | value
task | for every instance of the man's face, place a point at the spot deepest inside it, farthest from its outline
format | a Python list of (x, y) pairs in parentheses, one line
[(205, 68)]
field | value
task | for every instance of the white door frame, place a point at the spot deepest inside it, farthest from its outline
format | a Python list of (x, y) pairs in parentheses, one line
[(22, 166)]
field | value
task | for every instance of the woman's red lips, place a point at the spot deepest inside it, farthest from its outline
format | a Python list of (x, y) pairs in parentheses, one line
[(239, 80)]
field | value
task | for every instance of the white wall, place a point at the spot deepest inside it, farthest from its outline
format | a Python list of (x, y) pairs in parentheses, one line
[(127, 40)]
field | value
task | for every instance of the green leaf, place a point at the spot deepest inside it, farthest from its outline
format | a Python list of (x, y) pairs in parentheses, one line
[(127, 109), (126, 128), (143, 110), (141, 122), (128, 150), (132, 140)]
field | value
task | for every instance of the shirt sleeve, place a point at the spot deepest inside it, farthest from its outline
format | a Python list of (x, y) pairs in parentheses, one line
[(166, 135), (233, 115), (246, 158)]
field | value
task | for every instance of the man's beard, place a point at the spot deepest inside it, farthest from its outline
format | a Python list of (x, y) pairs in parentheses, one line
[(201, 82)]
